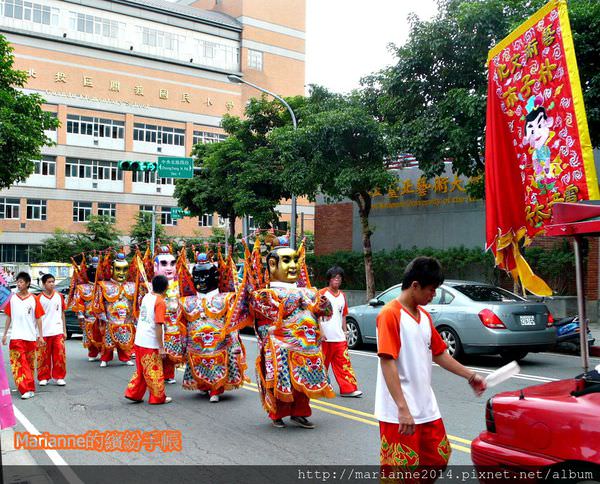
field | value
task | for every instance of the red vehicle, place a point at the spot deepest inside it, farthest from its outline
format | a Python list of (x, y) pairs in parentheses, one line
[(549, 432)]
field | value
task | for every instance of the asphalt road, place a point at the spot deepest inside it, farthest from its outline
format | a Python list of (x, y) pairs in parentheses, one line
[(237, 430)]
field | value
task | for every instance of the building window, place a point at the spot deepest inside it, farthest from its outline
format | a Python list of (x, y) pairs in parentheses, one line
[(90, 24), (36, 209), (160, 39), (161, 135), (206, 137), (255, 60), (9, 208), (54, 115), (32, 12), (96, 127), (11, 253), (150, 177), (45, 166), (107, 210), (223, 221), (252, 225), (165, 216), (93, 169), (82, 211), (205, 220)]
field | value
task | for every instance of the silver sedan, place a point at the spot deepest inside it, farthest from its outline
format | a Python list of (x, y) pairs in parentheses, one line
[(472, 318)]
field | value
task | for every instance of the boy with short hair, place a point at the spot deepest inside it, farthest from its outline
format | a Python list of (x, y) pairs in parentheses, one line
[(149, 347), (410, 423), (24, 312), (52, 361), (334, 332)]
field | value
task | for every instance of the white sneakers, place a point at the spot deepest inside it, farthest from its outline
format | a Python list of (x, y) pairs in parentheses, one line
[(130, 363), (27, 395), (214, 399), (60, 382), (171, 381), (354, 394), (43, 383), (103, 364), (168, 400), (93, 358)]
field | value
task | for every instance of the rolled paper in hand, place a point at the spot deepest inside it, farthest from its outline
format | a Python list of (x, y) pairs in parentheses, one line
[(502, 374)]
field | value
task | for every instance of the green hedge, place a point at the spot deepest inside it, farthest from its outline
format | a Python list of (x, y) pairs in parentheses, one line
[(555, 266)]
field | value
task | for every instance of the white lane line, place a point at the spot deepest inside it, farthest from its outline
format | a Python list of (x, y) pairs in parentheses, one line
[(54, 456), (520, 376)]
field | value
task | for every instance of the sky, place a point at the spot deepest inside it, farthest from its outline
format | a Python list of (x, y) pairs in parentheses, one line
[(347, 39)]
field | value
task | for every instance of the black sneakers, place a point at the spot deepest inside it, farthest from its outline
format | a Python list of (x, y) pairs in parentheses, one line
[(303, 422), (279, 423)]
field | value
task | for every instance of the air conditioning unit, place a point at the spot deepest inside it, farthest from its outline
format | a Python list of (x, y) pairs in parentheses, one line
[(159, 149), (158, 189), (96, 141), (94, 185), (23, 225)]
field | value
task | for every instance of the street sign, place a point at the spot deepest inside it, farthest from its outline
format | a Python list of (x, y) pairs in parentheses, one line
[(175, 167), (178, 213)]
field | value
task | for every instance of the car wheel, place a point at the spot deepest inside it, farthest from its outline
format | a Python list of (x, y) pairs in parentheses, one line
[(513, 355), (452, 341), (354, 337), (69, 334)]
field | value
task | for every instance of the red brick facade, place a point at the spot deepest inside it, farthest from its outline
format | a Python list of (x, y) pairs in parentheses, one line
[(333, 228)]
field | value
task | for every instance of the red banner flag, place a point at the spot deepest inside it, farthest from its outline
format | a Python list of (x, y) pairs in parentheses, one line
[(538, 150)]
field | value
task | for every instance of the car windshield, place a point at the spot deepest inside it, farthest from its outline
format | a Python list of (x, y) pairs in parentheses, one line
[(389, 295), (487, 293)]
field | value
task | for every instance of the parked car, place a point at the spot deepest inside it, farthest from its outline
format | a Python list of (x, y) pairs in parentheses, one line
[(33, 288), (472, 318), (550, 429)]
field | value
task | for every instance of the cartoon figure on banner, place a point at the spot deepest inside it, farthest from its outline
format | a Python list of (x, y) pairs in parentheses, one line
[(538, 136)]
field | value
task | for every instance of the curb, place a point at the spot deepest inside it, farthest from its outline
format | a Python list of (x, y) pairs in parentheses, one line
[(18, 465)]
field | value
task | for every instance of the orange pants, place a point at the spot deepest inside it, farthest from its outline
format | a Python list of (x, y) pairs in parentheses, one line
[(336, 355), (52, 361), (427, 449), (148, 375), (300, 407), (107, 355), (22, 362)]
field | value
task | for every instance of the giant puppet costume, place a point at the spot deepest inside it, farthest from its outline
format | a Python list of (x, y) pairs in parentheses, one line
[(165, 264), (115, 305), (81, 301), (215, 357), (285, 309)]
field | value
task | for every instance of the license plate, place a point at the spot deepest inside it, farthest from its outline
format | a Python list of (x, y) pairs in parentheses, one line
[(527, 320)]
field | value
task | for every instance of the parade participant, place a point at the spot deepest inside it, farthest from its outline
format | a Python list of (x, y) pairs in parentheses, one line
[(149, 347), (334, 332), (24, 313), (52, 360), (411, 428), (290, 368), (165, 264), (114, 305), (215, 358), (81, 302)]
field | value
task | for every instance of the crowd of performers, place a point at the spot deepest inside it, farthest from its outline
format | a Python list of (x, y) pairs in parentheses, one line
[(154, 310)]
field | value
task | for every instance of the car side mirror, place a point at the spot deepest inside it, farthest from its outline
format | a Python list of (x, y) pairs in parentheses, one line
[(375, 302)]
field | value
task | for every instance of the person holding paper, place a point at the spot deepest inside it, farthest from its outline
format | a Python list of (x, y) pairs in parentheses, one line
[(411, 428)]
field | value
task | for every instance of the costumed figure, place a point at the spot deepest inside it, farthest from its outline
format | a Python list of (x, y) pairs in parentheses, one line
[(81, 301), (290, 365), (174, 332), (115, 304), (215, 357)]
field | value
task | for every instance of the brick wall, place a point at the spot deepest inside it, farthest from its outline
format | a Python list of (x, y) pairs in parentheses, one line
[(333, 228)]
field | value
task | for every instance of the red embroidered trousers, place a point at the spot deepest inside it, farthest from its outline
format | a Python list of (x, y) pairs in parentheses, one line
[(22, 362), (52, 360), (148, 375), (336, 355)]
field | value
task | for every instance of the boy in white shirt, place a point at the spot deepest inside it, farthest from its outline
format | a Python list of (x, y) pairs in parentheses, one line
[(24, 313), (52, 361), (149, 346), (333, 333), (410, 424)]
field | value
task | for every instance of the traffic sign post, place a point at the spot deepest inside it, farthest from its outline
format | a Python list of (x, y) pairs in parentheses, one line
[(175, 167)]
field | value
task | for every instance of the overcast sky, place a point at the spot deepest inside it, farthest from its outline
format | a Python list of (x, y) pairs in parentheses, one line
[(347, 39)]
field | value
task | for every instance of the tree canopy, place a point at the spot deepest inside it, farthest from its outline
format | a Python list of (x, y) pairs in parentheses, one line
[(22, 122)]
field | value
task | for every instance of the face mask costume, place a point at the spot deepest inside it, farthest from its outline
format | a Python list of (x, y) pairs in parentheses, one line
[(165, 264), (290, 363), (215, 359), (82, 304), (115, 300)]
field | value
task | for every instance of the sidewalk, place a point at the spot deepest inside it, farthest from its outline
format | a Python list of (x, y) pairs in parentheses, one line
[(19, 466)]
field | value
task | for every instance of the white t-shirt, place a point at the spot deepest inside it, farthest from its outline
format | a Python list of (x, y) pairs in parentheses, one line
[(331, 328), (153, 311), (23, 312), (52, 323), (412, 345)]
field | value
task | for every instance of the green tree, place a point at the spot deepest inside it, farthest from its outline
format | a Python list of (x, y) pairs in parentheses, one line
[(22, 122), (434, 97), (340, 151), (141, 231), (100, 234)]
